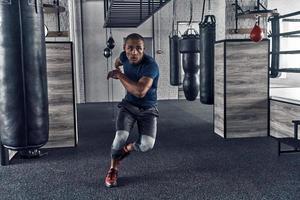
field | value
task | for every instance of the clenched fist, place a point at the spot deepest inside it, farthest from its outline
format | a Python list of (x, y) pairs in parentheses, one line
[(115, 74)]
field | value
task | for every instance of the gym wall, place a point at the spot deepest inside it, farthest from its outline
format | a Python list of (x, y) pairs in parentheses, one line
[(88, 35)]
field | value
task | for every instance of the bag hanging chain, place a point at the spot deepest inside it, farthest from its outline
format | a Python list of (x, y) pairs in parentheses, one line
[(203, 9), (209, 7), (191, 14)]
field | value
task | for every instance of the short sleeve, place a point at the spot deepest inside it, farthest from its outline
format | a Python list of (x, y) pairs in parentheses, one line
[(123, 57), (151, 70)]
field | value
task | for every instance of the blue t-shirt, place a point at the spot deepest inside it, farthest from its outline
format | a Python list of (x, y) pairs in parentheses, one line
[(147, 67)]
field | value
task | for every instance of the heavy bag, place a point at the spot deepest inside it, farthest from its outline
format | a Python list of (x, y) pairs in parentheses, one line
[(207, 53), (275, 45), (189, 46), (256, 34), (175, 72), (190, 63), (23, 80)]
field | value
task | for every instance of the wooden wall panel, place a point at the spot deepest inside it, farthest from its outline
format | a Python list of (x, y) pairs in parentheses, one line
[(281, 116), (60, 95), (219, 90), (246, 89), (243, 89)]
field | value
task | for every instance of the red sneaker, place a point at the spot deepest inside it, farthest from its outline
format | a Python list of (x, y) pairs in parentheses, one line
[(111, 178)]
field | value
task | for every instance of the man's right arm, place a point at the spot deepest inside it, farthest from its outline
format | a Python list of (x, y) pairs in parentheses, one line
[(118, 63)]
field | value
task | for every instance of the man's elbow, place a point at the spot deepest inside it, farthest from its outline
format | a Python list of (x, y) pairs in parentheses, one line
[(141, 94)]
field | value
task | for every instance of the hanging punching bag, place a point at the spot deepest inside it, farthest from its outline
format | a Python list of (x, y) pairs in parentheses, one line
[(189, 46), (207, 51), (23, 80), (175, 71), (110, 42), (256, 34)]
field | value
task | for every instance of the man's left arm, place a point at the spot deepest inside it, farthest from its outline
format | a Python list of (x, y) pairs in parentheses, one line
[(138, 89)]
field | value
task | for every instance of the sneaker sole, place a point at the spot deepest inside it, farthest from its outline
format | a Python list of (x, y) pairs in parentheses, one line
[(111, 185)]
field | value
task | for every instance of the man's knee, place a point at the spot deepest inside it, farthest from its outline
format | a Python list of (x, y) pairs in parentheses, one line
[(147, 143), (120, 139)]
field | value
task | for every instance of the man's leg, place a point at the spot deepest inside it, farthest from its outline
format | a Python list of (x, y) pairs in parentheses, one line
[(147, 126), (147, 134), (124, 123)]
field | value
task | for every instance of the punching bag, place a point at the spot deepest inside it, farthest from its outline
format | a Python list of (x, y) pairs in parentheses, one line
[(175, 71), (207, 51), (189, 46), (107, 52), (23, 80), (110, 42), (256, 34)]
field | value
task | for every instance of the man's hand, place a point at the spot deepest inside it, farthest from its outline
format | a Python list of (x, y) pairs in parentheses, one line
[(115, 74)]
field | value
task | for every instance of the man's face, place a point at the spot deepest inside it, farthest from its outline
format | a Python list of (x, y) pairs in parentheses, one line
[(134, 50)]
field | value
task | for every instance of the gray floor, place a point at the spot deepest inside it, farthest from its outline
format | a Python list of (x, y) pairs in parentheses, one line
[(188, 162)]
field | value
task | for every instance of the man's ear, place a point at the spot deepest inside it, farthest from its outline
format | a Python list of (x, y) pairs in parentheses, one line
[(124, 47)]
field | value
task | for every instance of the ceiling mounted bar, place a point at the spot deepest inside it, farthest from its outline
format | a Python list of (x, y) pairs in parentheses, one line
[(120, 13)]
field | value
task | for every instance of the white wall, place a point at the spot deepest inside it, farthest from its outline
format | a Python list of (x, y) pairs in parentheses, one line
[(97, 88), (51, 20), (284, 6)]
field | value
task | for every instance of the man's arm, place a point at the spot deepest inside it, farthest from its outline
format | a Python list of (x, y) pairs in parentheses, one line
[(118, 63), (138, 89)]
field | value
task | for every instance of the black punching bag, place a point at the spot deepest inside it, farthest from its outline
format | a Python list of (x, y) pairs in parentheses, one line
[(23, 80), (175, 70), (189, 46), (207, 50)]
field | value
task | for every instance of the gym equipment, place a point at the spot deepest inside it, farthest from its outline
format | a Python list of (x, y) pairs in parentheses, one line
[(207, 29), (175, 69), (277, 52), (46, 30), (290, 141), (110, 42), (256, 34), (23, 81), (274, 70), (259, 9), (32, 153), (107, 52), (189, 46)]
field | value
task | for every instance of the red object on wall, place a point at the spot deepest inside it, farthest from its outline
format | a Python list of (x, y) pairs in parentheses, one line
[(256, 34)]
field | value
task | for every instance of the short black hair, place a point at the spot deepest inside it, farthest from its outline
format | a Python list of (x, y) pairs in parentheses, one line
[(134, 36)]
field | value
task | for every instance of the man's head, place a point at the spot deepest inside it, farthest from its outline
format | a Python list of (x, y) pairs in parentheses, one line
[(134, 48)]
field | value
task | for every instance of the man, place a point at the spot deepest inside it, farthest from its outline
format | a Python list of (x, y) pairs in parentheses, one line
[(140, 80)]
